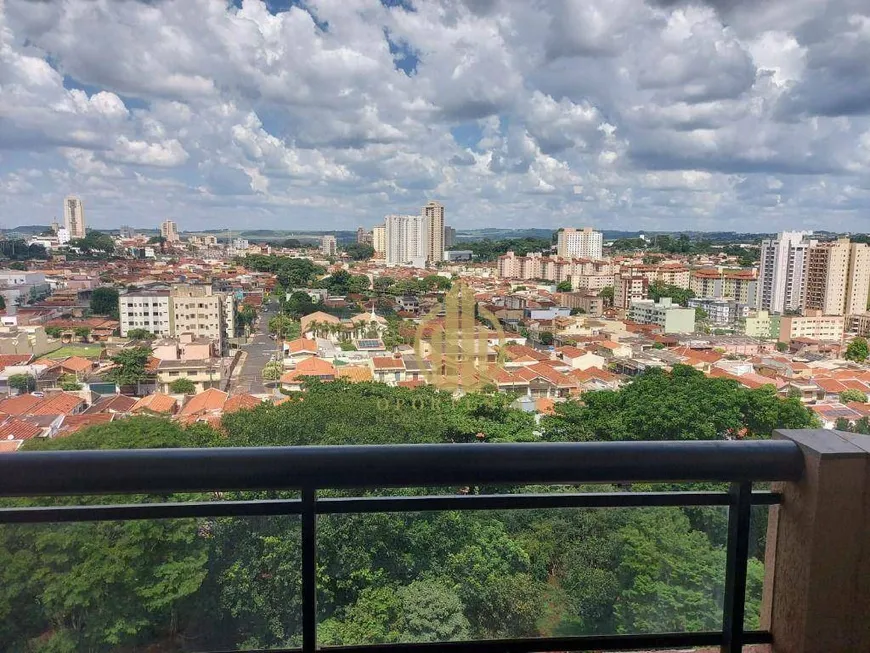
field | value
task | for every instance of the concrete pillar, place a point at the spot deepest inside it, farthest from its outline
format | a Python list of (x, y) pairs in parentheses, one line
[(817, 580)]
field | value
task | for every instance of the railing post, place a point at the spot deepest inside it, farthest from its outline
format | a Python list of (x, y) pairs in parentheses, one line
[(817, 563), (735, 567), (309, 571)]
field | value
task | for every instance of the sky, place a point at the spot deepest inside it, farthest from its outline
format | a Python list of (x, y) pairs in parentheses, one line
[(743, 115)]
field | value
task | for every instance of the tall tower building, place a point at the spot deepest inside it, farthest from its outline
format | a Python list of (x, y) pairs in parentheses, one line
[(449, 237), (74, 217), (407, 240), (379, 239), (434, 214), (580, 243), (169, 231), (837, 277), (328, 245), (781, 281)]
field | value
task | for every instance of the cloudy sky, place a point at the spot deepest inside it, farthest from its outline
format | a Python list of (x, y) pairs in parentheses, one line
[(325, 114)]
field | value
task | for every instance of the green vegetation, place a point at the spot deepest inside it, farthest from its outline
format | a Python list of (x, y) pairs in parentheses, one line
[(272, 371), (222, 583), (284, 327), (360, 252), (69, 382), (92, 350), (104, 301), (182, 387), (22, 382), (343, 283), (680, 296), (489, 250), (141, 334), (18, 250), (564, 286), (94, 241), (129, 366), (245, 316), (853, 395), (606, 294), (857, 350), (290, 272)]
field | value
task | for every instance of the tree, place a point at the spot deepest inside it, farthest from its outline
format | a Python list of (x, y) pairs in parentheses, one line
[(658, 289), (359, 251), (273, 371), (18, 265), (69, 382), (140, 334), (129, 366), (857, 350), (182, 387), (781, 346), (853, 395), (700, 314), (606, 294), (22, 382), (104, 301), (564, 286), (284, 327), (53, 331), (546, 338), (347, 345), (94, 241), (82, 332), (245, 316)]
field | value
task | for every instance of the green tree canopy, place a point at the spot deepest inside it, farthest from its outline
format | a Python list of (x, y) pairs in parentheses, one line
[(140, 334), (564, 286), (129, 366), (857, 350), (104, 301), (853, 395), (22, 382), (182, 387), (360, 251)]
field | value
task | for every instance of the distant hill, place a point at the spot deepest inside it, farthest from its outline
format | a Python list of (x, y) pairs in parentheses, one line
[(29, 229)]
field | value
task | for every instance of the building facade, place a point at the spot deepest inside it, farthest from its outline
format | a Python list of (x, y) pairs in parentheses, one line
[(449, 237), (379, 239), (671, 317), (837, 277), (74, 217), (721, 312), (781, 272), (169, 231), (580, 243), (813, 325), (328, 245), (628, 289), (149, 310), (433, 212), (407, 240)]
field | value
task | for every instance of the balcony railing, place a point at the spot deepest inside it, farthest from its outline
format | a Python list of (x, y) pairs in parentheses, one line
[(310, 469)]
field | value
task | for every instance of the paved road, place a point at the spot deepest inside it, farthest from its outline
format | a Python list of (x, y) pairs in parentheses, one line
[(258, 352)]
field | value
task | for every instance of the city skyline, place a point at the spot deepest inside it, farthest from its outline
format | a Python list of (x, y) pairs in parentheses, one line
[(652, 116)]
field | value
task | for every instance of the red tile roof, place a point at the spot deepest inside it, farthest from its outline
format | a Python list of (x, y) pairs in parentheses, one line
[(209, 400), (61, 403), (19, 405), (13, 359), (9, 446), (73, 423), (113, 404), (155, 403), (16, 429), (388, 363), (241, 402)]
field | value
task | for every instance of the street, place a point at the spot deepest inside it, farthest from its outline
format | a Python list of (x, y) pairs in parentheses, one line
[(258, 352)]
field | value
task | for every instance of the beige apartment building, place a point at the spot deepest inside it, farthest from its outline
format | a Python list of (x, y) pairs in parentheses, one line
[(379, 240), (628, 289), (434, 214), (197, 310), (837, 277), (169, 231), (813, 325)]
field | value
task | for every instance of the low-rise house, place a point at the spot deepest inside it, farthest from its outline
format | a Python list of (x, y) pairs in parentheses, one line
[(388, 369), (112, 405), (580, 359), (309, 368), (204, 374), (155, 404)]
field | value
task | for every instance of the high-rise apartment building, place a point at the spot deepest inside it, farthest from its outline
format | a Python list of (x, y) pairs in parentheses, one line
[(407, 240), (169, 231), (363, 237), (781, 272), (579, 243), (184, 309), (434, 214), (837, 277), (449, 237), (74, 217), (379, 240), (328, 245)]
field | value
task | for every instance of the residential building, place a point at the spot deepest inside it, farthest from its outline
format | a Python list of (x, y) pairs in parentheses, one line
[(454, 255), (761, 325), (379, 240), (125, 232), (627, 289), (146, 309), (706, 283), (837, 277), (671, 317), (449, 237), (205, 373), (328, 245), (201, 311), (781, 271), (720, 312), (591, 305), (813, 325), (241, 244), (433, 212), (363, 237), (74, 217), (860, 324), (739, 285), (579, 243), (169, 231), (407, 240)]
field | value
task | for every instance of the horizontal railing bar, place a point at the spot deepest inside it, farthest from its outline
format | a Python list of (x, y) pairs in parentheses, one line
[(544, 644), (358, 505), (143, 471)]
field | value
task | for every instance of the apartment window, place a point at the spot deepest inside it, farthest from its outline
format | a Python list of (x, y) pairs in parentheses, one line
[(173, 373)]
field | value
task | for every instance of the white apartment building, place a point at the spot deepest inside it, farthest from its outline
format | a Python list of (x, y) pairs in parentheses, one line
[(671, 317), (184, 309), (721, 312), (781, 271), (328, 245), (74, 217), (146, 309), (379, 239), (579, 243), (813, 325), (169, 231), (837, 277), (407, 240), (434, 214)]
